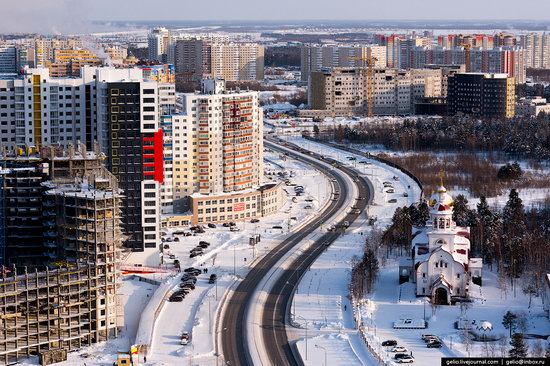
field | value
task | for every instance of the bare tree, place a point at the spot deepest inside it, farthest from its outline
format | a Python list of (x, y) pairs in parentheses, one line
[(503, 345), (537, 350)]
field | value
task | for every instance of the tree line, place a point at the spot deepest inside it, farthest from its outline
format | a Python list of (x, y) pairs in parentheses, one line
[(520, 137)]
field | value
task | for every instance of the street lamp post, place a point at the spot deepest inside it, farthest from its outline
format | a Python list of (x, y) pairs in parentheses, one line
[(325, 350), (305, 320), (235, 259)]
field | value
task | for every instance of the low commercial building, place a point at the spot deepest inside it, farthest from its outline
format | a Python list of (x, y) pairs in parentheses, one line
[(255, 203), (532, 107)]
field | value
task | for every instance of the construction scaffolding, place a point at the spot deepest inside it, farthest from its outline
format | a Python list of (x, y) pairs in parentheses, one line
[(73, 302)]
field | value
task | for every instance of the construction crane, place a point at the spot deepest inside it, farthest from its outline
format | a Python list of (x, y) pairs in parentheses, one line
[(369, 62), (467, 56)]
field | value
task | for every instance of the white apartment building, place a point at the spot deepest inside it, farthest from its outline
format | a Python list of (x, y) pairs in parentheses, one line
[(159, 41)]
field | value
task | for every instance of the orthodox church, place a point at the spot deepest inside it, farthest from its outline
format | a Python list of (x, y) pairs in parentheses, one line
[(440, 263)]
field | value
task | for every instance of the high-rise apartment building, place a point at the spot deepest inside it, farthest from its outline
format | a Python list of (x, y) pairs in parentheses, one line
[(537, 50), (318, 57), (159, 41), (44, 48), (70, 62), (483, 95), (202, 57), (216, 155), (8, 58)]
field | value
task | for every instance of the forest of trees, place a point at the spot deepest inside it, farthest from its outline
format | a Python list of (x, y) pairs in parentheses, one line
[(513, 239), (518, 138)]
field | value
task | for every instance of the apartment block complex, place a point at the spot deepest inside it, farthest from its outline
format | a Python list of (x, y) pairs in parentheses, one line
[(537, 50), (70, 62), (483, 95), (205, 57), (344, 91), (318, 57), (119, 109)]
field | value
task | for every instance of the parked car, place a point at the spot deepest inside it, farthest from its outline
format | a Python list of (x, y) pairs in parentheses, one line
[(279, 227), (345, 224), (308, 207), (426, 336), (195, 254), (192, 271), (435, 344), (187, 285), (234, 228), (389, 342), (390, 191), (172, 256), (184, 339), (175, 299), (407, 359), (253, 221), (405, 194), (176, 239), (191, 279), (203, 245), (212, 226), (166, 246), (393, 200), (226, 224), (326, 243), (212, 278), (399, 349), (395, 177), (399, 356)]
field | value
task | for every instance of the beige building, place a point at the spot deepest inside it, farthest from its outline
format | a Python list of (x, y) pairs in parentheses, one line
[(344, 91)]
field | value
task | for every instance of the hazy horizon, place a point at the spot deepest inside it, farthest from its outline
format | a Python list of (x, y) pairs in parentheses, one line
[(62, 16)]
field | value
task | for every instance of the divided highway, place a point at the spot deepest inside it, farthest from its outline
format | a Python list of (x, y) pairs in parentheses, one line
[(276, 312)]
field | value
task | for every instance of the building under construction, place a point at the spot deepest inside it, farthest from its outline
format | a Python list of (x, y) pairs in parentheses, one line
[(72, 300)]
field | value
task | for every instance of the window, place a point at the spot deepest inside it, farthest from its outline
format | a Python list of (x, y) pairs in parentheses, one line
[(148, 91)]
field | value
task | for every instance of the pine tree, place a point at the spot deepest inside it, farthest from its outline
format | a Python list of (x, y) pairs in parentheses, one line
[(514, 228), (461, 210), (509, 320), (519, 348)]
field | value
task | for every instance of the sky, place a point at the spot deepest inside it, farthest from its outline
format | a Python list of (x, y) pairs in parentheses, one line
[(52, 16)]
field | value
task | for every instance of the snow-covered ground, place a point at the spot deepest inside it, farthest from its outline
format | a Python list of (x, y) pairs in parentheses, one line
[(322, 297)]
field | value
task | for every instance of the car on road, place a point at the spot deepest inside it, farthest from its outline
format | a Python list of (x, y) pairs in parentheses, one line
[(399, 349), (234, 228), (166, 246), (389, 342), (393, 200), (326, 243), (172, 256), (390, 190), (211, 226), (425, 337), (212, 278), (308, 207), (184, 338), (345, 224), (254, 221), (395, 177), (278, 227), (405, 194), (203, 245), (434, 344)]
